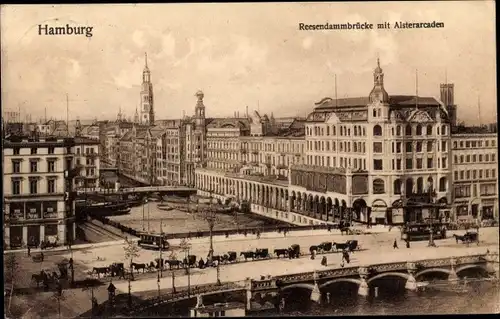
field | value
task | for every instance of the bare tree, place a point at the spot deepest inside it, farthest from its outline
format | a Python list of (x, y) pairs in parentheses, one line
[(58, 295), (131, 251), (11, 266), (185, 247)]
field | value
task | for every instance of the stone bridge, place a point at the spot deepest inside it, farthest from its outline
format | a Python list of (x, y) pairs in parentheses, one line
[(364, 276)]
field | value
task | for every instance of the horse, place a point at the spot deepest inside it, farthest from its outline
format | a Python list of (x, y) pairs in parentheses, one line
[(176, 263), (313, 248), (461, 238), (325, 246), (279, 252), (138, 266), (345, 230), (340, 246), (229, 257), (247, 254), (100, 270), (39, 278)]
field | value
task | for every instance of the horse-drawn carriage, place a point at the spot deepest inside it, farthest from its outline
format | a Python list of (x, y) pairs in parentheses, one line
[(37, 258), (468, 237)]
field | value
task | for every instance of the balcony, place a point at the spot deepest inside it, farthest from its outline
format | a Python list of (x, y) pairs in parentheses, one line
[(254, 163), (256, 152), (92, 155), (282, 166)]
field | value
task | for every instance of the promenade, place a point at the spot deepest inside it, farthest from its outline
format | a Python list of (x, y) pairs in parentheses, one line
[(374, 254), (379, 238)]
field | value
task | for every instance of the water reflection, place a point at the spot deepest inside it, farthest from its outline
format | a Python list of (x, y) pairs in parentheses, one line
[(481, 297)]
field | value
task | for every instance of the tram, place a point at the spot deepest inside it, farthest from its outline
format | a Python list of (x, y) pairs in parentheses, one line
[(153, 241), (422, 231)]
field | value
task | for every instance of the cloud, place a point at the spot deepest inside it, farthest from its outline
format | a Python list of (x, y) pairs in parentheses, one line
[(307, 43), (138, 38)]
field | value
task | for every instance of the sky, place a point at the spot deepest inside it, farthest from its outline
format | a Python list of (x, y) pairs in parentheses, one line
[(240, 55)]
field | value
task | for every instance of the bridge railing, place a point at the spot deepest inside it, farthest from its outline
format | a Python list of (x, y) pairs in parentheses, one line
[(187, 294)]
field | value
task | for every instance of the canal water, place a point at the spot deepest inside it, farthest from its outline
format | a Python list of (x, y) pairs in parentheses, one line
[(479, 297), (175, 221)]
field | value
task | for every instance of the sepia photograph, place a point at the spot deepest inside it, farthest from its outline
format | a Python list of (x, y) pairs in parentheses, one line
[(249, 159)]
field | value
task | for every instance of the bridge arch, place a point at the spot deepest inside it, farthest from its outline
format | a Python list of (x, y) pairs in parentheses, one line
[(299, 285), (385, 274), (465, 267), (351, 280), (426, 271)]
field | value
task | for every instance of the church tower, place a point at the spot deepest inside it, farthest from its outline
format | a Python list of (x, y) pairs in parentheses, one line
[(147, 105), (199, 111), (136, 116)]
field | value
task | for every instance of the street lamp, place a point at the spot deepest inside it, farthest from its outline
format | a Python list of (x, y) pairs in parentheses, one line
[(431, 201), (209, 214)]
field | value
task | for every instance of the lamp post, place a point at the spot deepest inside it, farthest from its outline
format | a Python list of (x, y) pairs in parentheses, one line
[(431, 201), (148, 214), (143, 217)]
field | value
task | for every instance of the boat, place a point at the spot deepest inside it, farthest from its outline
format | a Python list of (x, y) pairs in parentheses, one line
[(122, 211), (165, 207)]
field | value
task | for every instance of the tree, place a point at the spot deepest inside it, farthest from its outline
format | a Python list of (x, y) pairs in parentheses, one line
[(11, 266), (58, 295), (131, 251), (185, 247)]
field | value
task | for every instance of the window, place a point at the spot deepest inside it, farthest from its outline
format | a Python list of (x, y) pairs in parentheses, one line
[(397, 187), (16, 166), (51, 150), (443, 146), (408, 130), (398, 130), (398, 147), (442, 184), (377, 147), (409, 163), (51, 186), (456, 175), (474, 174), (419, 129), (419, 147), (398, 164), (16, 187), (455, 159), (419, 163), (429, 146), (377, 130), (16, 150), (443, 162), (409, 147), (378, 186), (51, 165), (377, 164), (480, 173), (33, 150), (474, 158), (33, 166), (443, 129), (429, 129), (33, 186)]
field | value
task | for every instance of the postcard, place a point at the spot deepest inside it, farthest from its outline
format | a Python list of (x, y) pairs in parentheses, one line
[(249, 159)]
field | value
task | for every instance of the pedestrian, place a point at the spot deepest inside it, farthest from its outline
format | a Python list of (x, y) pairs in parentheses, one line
[(29, 251), (324, 261), (407, 243), (395, 245)]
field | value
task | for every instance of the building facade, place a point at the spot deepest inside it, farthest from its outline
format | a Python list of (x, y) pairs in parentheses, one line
[(38, 188), (475, 176), (359, 156), (87, 161)]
